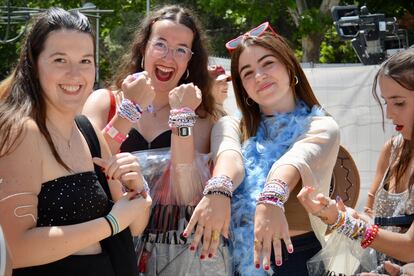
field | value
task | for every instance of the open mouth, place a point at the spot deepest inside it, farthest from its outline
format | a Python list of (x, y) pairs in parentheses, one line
[(164, 73)]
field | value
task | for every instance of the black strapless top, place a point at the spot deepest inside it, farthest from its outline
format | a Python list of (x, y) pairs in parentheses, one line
[(71, 199), (136, 141)]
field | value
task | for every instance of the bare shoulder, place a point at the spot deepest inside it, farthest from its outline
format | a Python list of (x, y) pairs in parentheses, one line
[(97, 107), (21, 168)]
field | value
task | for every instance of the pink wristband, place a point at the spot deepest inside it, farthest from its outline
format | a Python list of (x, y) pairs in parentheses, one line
[(114, 133)]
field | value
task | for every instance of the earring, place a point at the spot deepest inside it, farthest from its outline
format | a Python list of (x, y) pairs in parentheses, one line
[(296, 79), (142, 63), (188, 74), (246, 100)]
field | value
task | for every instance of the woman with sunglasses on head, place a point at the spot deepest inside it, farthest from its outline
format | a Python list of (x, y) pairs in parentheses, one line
[(58, 213), (169, 51), (394, 179), (287, 141)]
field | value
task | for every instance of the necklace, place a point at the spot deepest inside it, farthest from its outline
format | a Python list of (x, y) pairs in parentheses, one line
[(59, 138), (154, 111)]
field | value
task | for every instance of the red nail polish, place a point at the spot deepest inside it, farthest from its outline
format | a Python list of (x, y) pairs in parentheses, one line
[(290, 250), (202, 257), (257, 266), (185, 234), (210, 255), (278, 263), (266, 267), (107, 177), (192, 248)]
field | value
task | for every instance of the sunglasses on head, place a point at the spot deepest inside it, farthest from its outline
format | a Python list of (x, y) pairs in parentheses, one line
[(257, 31)]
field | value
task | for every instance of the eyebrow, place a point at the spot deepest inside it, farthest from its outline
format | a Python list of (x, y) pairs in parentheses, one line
[(180, 44), (394, 97), (259, 60), (63, 54)]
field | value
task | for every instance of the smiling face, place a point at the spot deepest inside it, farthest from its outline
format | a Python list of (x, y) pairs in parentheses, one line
[(266, 80), (167, 70), (399, 105), (220, 89), (66, 69)]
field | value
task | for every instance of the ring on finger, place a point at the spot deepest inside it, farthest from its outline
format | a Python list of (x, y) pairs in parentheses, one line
[(215, 235), (257, 243)]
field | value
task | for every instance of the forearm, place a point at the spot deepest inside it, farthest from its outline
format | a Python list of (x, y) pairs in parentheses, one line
[(42, 245), (286, 173), (397, 245), (139, 223), (230, 163)]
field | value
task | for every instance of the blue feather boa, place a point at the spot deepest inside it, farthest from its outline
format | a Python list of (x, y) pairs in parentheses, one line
[(275, 135)]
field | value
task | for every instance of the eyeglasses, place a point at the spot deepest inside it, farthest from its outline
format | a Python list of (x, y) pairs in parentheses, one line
[(160, 49), (257, 31)]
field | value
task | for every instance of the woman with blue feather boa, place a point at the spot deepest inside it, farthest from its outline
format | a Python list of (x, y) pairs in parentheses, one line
[(286, 141)]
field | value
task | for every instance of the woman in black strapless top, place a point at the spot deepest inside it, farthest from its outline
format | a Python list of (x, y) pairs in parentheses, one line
[(59, 215)]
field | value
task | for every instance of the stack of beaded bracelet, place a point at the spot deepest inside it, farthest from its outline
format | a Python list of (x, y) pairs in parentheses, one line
[(355, 229), (182, 117), (129, 110), (370, 235), (275, 192), (222, 185), (113, 223)]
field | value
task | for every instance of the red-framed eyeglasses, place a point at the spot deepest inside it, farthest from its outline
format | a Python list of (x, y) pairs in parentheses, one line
[(257, 31)]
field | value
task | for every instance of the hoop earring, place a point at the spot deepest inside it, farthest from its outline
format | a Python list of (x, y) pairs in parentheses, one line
[(246, 100), (142, 63), (296, 79), (188, 74)]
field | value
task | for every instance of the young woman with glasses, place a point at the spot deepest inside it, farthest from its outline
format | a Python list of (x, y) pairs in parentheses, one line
[(286, 141), (168, 104)]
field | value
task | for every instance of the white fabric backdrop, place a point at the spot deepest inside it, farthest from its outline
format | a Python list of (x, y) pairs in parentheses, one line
[(345, 92)]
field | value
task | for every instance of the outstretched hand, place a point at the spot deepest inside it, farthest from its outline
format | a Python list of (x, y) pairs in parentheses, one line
[(212, 217)]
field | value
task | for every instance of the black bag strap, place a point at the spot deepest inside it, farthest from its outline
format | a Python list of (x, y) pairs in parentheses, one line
[(88, 132)]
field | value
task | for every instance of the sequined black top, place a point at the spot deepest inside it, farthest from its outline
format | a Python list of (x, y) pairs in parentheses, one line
[(71, 199)]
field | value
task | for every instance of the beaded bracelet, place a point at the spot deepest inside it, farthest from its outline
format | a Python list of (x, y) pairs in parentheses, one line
[(370, 235), (113, 223), (275, 192), (182, 117), (219, 185), (129, 110)]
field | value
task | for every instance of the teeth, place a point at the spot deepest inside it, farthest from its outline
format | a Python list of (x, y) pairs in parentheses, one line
[(70, 88), (164, 69)]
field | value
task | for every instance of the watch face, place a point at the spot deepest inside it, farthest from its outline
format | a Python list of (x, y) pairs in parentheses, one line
[(184, 131)]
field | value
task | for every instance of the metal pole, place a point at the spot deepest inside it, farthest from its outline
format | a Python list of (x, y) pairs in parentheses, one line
[(97, 50), (148, 6)]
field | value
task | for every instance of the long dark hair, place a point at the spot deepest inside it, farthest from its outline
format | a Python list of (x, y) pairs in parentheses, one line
[(197, 66), (400, 68), (279, 47), (23, 96)]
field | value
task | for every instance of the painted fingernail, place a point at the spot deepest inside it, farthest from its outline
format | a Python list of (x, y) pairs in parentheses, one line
[(278, 262), (257, 266), (290, 250), (192, 248), (202, 257), (210, 255), (107, 178), (266, 267), (338, 198), (185, 234)]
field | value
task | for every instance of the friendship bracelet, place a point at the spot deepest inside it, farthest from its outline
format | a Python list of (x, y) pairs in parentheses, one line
[(370, 235), (114, 223), (219, 185), (110, 225), (129, 110)]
